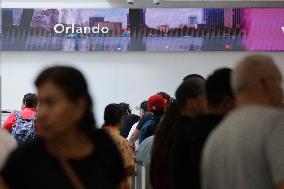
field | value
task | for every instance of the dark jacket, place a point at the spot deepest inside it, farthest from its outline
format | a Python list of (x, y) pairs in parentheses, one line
[(189, 136), (149, 128)]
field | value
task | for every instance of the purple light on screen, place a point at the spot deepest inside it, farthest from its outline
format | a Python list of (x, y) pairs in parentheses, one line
[(263, 28)]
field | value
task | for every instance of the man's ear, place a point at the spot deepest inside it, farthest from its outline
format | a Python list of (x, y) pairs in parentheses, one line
[(24, 105)]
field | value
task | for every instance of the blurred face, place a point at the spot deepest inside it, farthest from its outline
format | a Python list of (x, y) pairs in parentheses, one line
[(58, 115), (141, 113)]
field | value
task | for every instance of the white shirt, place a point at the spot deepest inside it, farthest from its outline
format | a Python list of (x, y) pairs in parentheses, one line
[(246, 151)]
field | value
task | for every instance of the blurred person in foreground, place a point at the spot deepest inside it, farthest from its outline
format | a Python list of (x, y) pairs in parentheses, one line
[(247, 149), (70, 152)]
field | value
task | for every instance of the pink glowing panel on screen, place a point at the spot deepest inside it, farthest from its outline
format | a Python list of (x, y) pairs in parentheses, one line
[(264, 28)]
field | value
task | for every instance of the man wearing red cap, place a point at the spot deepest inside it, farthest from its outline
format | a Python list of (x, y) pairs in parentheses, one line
[(156, 104)]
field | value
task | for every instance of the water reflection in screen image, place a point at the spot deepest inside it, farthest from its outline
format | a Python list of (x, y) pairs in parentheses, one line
[(153, 29)]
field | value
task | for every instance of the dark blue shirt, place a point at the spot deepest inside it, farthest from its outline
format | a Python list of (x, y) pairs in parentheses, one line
[(149, 128), (146, 117)]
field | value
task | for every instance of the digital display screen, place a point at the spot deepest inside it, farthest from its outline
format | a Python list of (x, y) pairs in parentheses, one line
[(148, 29)]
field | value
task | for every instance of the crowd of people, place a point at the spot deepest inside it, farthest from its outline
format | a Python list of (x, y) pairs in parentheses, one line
[(223, 131)]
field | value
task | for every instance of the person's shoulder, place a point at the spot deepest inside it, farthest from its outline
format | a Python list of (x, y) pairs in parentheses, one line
[(208, 116), (182, 121), (181, 126), (144, 119), (106, 149), (144, 149), (29, 148), (148, 141), (278, 113), (276, 118), (26, 154), (28, 112), (258, 109), (134, 117), (99, 134), (149, 123), (148, 115), (260, 113), (207, 120), (102, 140), (10, 119)]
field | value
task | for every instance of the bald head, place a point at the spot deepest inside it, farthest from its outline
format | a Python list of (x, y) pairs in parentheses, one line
[(257, 74)]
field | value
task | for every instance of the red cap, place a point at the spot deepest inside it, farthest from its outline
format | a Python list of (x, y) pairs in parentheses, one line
[(156, 103)]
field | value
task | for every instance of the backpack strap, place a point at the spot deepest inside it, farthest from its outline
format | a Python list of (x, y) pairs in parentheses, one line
[(34, 117), (17, 114)]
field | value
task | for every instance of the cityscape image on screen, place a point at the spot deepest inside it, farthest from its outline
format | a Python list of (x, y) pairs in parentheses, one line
[(148, 29)]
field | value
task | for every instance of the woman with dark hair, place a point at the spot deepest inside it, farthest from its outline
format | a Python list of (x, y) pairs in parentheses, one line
[(70, 152), (113, 120), (159, 169), (178, 114)]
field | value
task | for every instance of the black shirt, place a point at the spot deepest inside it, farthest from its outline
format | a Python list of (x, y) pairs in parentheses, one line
[(32, 167), (189, 136)]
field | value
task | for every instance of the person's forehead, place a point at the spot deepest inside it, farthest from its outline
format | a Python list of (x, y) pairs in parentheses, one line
[(49, 89)]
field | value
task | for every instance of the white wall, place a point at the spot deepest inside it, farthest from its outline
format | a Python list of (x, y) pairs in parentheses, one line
[(113, 77)]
